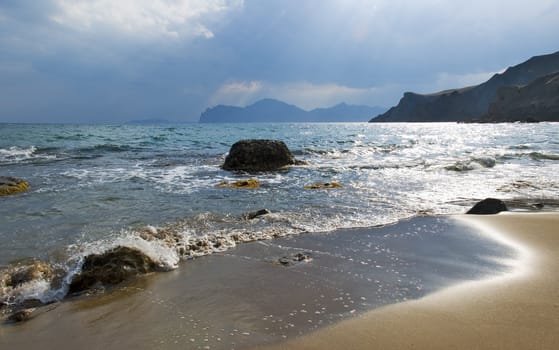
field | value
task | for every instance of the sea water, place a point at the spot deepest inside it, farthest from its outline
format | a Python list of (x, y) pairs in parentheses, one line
[(94, 187)]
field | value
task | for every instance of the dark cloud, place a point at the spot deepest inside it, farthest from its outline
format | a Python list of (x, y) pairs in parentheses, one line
[(55, 66)]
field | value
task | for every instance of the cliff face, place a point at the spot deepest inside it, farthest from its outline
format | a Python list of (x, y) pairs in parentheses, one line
[(537, 101), (269, 110), (470, 103)]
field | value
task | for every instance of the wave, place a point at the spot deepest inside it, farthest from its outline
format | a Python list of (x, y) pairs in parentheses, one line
[(204, 234), (14, 154), (543, 156), (159, 248), (107, 147), (472, 164), (535, 156), (356, 149)]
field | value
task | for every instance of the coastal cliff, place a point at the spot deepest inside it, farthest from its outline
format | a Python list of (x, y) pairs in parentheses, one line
[(537, 101), (469, 103), (270, 110)]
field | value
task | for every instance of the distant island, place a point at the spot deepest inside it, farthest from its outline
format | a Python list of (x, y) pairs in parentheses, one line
[(528, 92), (149, 121), (270, 110)]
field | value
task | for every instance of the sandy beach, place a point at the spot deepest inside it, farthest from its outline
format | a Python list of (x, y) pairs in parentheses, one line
[(519, 310)]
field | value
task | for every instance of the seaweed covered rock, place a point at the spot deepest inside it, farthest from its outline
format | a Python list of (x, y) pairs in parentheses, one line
[(12, 185), (250, 184), (26, 271), (21, 315), (259, 155), (323, 185), (488, 206), (111, 267)]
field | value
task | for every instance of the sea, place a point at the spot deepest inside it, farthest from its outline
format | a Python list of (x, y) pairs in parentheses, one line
[(96, 187)]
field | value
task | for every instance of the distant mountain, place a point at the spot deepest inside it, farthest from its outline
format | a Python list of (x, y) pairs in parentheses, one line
[(537, 101), (270, 110), (344, 113), (470, 103)]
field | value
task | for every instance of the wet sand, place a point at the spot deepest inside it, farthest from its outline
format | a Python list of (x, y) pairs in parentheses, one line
[(244, 297), (519, 310)]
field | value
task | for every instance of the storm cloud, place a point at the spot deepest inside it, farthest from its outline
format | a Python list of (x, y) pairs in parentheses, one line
[(112, 61)]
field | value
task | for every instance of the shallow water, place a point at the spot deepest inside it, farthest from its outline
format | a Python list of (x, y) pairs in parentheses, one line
[(97, 186), (244, 297)]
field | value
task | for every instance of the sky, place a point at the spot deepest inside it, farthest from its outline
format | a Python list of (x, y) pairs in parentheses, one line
[(105, 61)]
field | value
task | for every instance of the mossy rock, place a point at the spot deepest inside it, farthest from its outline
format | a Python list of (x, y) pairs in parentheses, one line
[(21, 316), (12, 185), (249, 183), (323, 185), (111, 267), (26, 271)]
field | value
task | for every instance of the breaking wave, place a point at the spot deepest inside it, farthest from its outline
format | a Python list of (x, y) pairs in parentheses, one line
[(185, 239), (472, 164), (15, 155), (543, 156)]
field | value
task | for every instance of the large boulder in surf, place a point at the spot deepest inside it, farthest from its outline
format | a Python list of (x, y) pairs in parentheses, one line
[(259, 155), (488, 206), (111, 267), (12, 185)]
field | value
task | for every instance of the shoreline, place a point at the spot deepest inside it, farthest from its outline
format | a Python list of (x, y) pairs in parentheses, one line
[(517, 310), (257, 294)]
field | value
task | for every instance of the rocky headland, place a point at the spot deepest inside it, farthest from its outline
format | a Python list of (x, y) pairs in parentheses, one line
[(537, 101), (521, 93)]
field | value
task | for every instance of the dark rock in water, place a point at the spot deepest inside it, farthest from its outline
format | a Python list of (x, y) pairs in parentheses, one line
[(538, 206), (21, 315), (254, 214), (294, 259), (111, 267), (259, 155), (488, 206), (323, 186), (12, 185)]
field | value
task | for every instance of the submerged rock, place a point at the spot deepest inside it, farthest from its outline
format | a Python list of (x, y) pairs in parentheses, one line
[(259, 155), (111, 267), (21, 315), (323, 185), (250, 184), (294, 259), (488, 206), (254, 214), (12, 185)]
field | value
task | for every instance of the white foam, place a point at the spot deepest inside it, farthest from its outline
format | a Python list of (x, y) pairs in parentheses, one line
[(15, 154), (36, 289)]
